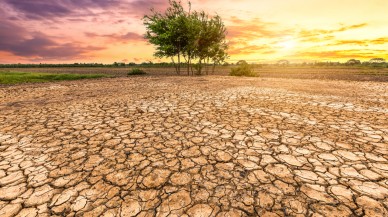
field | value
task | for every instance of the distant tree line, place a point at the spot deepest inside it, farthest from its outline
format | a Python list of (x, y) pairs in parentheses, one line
[(113, 65), (46, 65), (375, 62)]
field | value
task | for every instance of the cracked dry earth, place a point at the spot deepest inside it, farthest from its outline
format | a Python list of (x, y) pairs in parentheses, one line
[(207, 146)]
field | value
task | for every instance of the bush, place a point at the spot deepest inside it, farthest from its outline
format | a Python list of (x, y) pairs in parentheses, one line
[(136, 71), (243, 69), (198, 68)]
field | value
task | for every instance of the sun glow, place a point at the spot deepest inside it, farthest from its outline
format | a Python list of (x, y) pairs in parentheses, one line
[(287, 44)]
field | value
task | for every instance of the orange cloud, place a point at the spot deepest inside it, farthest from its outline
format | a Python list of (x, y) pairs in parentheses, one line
[(241, 33), (317, 32), (252, 29), (379, 41), (340, 54), (251, 49), (363, 42), (351, 42), (122, 38)]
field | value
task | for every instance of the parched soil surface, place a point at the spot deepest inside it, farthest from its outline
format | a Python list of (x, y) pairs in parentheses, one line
[(202, 146)]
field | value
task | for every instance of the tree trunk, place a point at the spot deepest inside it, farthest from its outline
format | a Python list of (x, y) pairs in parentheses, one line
[(187, 60), (192, 71), (214, 67), (207, 66), (188, 66), (200, 67), (175, 66), (179, 62)]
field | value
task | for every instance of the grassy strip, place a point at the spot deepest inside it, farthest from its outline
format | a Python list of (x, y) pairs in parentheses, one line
[(26, 77)]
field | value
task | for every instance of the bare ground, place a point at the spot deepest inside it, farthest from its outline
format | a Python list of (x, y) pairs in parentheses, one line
[(203, 146)]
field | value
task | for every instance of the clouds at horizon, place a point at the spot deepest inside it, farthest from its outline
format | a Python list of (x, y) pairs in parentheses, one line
[(22, 33), (43, 9), (111, 30), (20, 41)]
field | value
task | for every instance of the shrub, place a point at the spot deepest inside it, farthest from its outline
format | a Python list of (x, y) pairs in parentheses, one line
[(136, 71), (198, 68), (241, 62), (243, 69)]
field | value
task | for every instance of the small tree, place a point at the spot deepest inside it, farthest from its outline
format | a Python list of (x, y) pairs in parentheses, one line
[(283, 62), (241, 62), (219, 46), (210, 41), (167, 32), (377, 60), (219, 56), (353, 62), (193, 35)]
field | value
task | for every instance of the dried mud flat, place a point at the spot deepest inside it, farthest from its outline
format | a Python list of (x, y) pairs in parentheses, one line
[(205, 146)]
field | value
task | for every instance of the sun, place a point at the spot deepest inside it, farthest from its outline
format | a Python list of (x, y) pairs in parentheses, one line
[(287, 44)]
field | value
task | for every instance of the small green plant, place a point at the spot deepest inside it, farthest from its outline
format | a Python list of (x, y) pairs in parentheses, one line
[(243, 69), (136, 71)]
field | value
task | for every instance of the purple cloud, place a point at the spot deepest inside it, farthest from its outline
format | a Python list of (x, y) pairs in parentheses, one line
[(44, 9), (38, 9), (17, 17), (122, 38), (18, 41), (142, 7)]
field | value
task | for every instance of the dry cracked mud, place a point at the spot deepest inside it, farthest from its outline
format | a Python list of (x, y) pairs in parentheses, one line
[(206, 146)]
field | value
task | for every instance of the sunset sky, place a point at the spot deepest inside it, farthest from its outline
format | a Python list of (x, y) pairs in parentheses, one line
[(105, 31)]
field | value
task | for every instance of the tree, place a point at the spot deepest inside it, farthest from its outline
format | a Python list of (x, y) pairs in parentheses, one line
[(193, 35), (241, 62), (219, 55), (377, 60), (210, 43), (353, 62), (193, 30), (283, 62), (167, 31)]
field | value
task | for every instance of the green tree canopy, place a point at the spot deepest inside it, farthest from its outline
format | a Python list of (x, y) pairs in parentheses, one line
[(193, 35)]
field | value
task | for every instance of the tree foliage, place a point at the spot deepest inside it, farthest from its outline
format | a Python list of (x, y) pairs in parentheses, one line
[(377, 60), (193, 35), (353, 62)]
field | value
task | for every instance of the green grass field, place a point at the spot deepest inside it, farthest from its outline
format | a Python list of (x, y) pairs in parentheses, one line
[(27, 77)]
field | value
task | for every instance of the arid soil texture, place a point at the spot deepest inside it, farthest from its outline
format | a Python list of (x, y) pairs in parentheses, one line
[(194, 146)]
